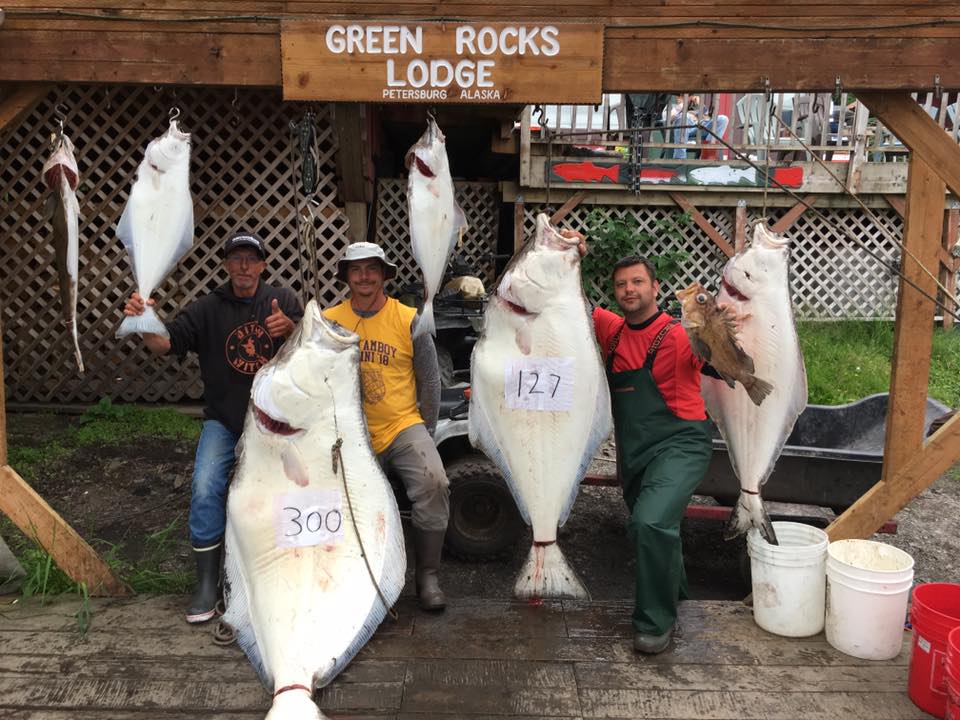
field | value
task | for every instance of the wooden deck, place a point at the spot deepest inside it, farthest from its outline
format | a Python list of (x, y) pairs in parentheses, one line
[(479, 659)]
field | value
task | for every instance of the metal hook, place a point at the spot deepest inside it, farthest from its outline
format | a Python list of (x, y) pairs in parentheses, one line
[(937, 88), (765, 81), (235, 104), (173, 114), (60, 115), (432, 113), (837, 90)]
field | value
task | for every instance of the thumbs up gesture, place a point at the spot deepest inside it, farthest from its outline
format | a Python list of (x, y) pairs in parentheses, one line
[(278, 324)]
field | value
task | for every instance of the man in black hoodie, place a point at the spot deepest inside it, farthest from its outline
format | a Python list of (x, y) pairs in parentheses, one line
[(234, 331)]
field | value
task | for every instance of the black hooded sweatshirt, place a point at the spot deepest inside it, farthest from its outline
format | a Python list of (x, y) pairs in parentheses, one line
[(229, 336)]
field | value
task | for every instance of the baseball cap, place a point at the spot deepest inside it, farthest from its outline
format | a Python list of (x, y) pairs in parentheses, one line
[(363, 251), (243, 239)]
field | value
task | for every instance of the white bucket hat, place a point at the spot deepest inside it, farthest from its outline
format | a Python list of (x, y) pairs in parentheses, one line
[(363, 251)]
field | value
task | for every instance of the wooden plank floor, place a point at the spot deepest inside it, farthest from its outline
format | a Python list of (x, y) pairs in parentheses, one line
[(481, 659)]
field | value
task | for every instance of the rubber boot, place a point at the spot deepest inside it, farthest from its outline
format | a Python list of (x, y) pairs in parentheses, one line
[(428, 544), (203, 604)]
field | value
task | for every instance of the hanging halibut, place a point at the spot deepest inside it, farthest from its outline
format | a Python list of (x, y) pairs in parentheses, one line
[(157, 223), (756, 286), (539, 403), (436, 220), (314, 547), (61, 176)]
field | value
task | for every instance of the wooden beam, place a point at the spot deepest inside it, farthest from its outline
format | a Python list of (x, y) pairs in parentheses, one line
[(888, 497), (719, 240), (568, 206), (19, 101), (897, 203), (354, 162), (518, 238), (39, 521), (948, 277), (913, 338), (919, 132), (3, 405), (858, 153), (525, 118), (740, 226), (793, 214)]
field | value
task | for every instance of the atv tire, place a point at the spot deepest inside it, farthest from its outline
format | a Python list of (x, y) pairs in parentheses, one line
[(484, 521)]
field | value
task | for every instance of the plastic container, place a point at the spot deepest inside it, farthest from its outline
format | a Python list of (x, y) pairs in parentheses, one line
[(789, 579), (935, 613), (868, 584), (952, 710)]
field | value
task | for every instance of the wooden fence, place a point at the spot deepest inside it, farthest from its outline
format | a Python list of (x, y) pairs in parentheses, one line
[(244, 175)]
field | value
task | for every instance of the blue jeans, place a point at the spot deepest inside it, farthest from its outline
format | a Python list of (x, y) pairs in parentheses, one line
[(687, 135), (211, 475)]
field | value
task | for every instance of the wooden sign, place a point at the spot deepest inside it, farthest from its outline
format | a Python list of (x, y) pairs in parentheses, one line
[(621, 173), (431, 62)]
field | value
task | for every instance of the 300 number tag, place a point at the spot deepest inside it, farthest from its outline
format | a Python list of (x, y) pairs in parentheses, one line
[(539, 383), (308, 517)]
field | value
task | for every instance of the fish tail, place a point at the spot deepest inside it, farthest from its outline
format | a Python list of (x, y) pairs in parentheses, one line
[(546, 574), (612, 173), (294, 704), (749, 513), (425, 322), (757, 389), (148, 322), (76, 344)]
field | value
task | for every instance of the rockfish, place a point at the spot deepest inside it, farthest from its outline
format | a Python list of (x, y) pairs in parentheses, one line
[(756, 287), (436, 221), (713, 337), (157, 223), (539, 404), (61, 176), (314, 547)]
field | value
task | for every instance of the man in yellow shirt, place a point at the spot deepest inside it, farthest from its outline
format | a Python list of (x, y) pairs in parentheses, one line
[(395, 370)]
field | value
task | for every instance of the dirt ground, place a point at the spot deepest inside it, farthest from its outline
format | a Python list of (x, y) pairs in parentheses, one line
[(120, 494)]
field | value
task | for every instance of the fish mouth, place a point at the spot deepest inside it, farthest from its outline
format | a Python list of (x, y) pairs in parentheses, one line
[(272, 425), (732, 291)]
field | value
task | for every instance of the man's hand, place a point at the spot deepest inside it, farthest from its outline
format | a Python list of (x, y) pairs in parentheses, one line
[(581, 245), (278, 324), (135, 305)]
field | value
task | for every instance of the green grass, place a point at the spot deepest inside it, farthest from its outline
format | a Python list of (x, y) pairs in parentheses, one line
[(849, 360), (106, 423)]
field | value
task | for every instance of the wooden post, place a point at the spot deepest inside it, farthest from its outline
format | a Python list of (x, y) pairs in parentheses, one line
[(568, 206), (948, 276), (923, 226), (3, 404), (740, 226), (858, 152), (793, 214), (518, 224), (354, 166), (525, 118)]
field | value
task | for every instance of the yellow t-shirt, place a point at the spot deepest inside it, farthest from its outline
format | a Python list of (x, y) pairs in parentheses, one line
[(386, 368)]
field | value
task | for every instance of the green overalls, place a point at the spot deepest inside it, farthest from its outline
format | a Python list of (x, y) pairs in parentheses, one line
[(661, 460)]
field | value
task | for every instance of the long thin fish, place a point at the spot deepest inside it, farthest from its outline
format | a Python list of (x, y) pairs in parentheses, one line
[(61, 176), (436, 221)]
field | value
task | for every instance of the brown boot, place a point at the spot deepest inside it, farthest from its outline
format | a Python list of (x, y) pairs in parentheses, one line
[(428, 544)]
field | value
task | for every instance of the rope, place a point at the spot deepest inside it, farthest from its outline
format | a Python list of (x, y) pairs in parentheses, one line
[(336, 457)]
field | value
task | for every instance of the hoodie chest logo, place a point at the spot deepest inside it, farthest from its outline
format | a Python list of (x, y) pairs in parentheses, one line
[(248, 348)]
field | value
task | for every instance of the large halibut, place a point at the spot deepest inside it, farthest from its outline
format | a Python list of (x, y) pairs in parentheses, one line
[(539, 403), (314, 547), (756, 286)]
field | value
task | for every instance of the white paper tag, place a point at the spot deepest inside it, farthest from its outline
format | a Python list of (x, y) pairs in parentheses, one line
[(923, 643), (539, 383), (308, 517)]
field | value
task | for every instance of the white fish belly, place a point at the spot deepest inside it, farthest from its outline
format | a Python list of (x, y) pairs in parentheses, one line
[(432, 225), (543, 454), (312, 608), (755, 435)]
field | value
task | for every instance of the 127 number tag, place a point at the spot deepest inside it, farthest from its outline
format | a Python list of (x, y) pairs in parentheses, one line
[(308, 517), (539, 383)]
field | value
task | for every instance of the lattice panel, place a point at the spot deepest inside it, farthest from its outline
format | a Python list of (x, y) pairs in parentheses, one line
[(831, 277), (240, 179), (479, 202)]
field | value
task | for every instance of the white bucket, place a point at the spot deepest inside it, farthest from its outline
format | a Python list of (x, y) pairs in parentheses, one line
[(868, 585), (789, 579)]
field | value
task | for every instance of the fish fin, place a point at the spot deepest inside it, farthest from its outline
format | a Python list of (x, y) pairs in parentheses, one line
[(293, 465), (482, 437), (147, 322), (546, 574), (731, 382), (125, 230), (700, 348), (425, 322), (237, 615), (460, 224), (749, 513), (600, 431), (758, 389), (49, 207)]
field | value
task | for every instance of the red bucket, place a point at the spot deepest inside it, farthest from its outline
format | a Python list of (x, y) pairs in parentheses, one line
[(934, 614), (953, 675)]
